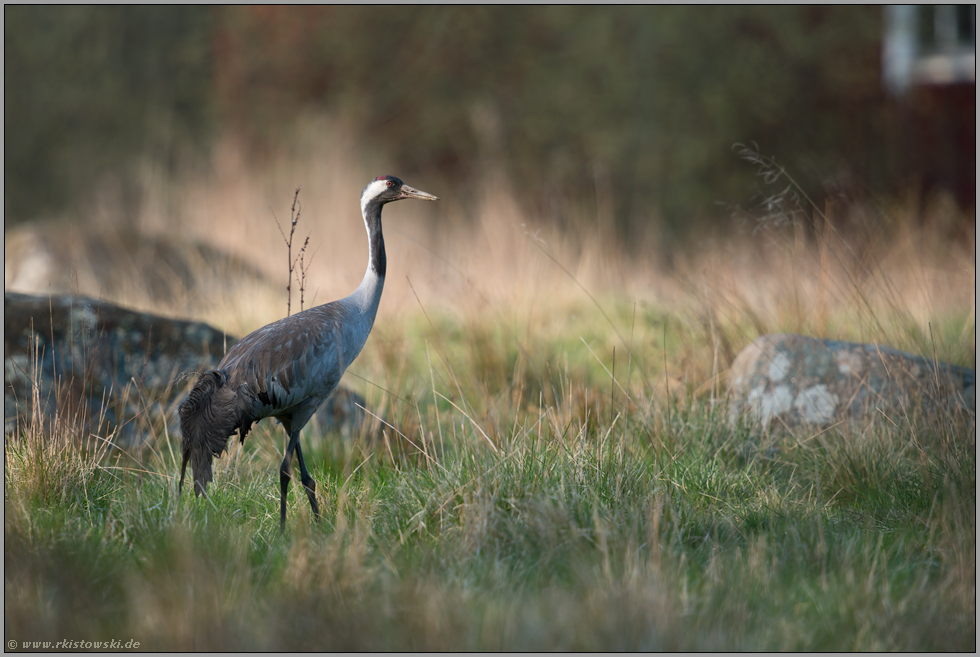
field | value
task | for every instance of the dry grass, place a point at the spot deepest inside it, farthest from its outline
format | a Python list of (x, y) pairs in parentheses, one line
[(850, 271)]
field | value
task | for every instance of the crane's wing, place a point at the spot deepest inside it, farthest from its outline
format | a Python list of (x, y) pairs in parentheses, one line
[(296, 361)]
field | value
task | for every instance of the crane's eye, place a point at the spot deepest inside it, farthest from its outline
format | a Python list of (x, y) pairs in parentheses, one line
[(389, 183)]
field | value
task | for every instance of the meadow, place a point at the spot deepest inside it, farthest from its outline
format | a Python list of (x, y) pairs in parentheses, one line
[(556, 469)]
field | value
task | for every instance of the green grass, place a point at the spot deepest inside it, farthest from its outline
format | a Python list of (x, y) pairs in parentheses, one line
[(527, 505)]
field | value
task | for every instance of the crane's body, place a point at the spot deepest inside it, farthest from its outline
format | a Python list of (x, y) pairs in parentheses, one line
[(287, 369)]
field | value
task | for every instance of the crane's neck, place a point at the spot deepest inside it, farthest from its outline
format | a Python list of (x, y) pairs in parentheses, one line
[(367, 296)]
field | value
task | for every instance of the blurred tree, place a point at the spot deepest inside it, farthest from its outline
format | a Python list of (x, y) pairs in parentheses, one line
[(87, 89), (638, 105), (656, 96)]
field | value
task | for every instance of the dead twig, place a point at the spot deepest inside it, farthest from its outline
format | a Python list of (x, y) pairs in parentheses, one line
[(294, 215)]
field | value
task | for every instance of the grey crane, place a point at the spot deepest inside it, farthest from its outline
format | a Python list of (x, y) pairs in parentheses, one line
[(288, 368)]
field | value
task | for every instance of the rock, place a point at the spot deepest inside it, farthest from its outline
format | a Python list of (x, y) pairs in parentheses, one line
[(103, 368), (44, 258), (792, 380)]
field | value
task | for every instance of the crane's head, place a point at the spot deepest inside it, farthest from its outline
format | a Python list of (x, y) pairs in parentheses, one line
[(385, 189)]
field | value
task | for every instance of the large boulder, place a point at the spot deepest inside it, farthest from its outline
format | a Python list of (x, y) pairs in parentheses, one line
[(50, 258), (790, 380), (102, 369)]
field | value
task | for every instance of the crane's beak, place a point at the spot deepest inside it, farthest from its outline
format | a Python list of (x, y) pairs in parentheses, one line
[(411, 192)]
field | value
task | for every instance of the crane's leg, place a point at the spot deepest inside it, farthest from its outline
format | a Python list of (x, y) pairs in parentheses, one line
[(285, 475), (308, 483)]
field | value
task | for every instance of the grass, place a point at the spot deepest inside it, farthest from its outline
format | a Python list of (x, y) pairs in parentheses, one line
[(570, 537), (558, 471)]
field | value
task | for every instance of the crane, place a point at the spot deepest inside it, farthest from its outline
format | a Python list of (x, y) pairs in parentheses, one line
[(286, 369)]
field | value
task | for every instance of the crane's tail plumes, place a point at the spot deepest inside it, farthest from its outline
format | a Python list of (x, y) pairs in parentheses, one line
[(208, 416)]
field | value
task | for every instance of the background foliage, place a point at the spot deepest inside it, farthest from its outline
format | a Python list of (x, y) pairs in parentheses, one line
[(638, 105), (87, 90)]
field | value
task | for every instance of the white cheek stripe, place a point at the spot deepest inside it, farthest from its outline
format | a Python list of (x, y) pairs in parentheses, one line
[(371, 191)]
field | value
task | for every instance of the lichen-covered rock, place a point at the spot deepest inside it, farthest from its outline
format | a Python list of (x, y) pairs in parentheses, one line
[(790, 380), (103, 368)]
